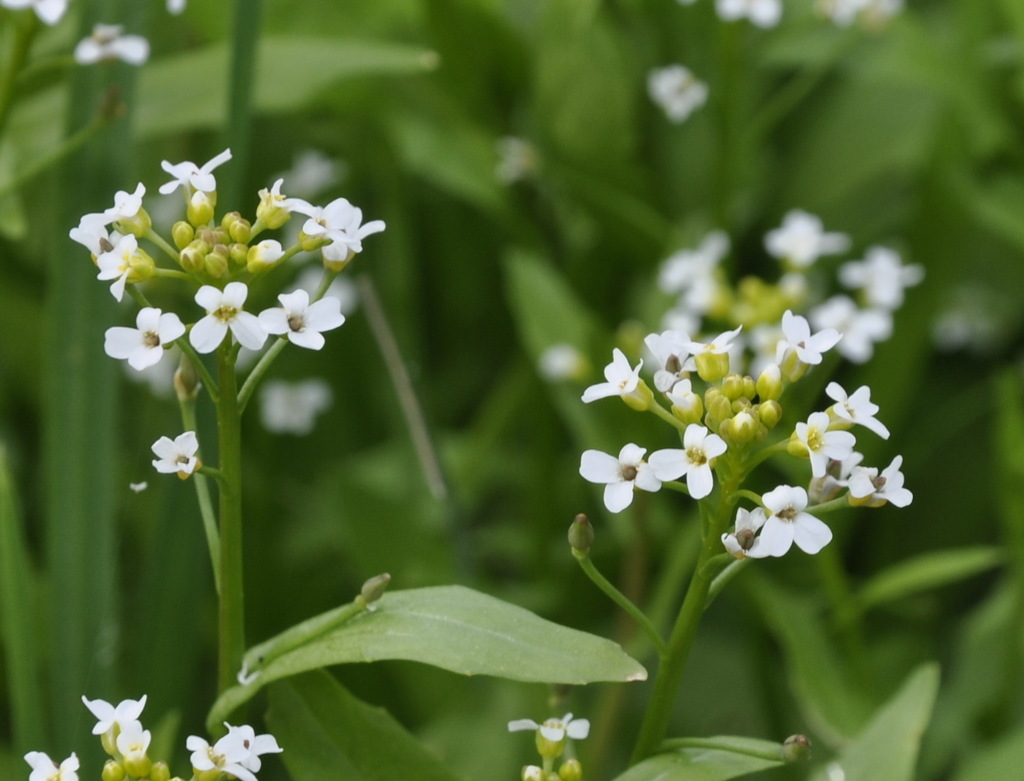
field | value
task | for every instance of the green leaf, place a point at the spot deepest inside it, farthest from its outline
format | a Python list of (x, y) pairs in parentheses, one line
[(456, 629), (999, 759), (928, 571), (887, 748), (711, 759), (326, 732)]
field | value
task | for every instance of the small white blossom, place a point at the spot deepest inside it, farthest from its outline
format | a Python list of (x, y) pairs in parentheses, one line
[(339, 221), (684, 399), (690, 268), (116, 264), (856, 408), (301, 322), (823, 445), (861, 328), (138, 488), (223, 312), (256, 744), (133, 742), (802, 240), (264, 253), (176, 6), (143, 346), (49, 12), (312, 172), (876, 489), (872, 13), (92, 234), (109, 716), (45, 769), (693, 460), (561, 362), (554, 730), (742, 542), (798, 338), (293, 407), (192, 177), (107, 43), (763, 13), (720, 345), (126, 205), (619, 475), (671, 357), (881, 276), (177, 456), (787, 523), (677, 91), (237, 753), (621, 379)]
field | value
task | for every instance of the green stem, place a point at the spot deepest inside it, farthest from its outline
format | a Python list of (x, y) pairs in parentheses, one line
[(667, 416), (673, 662), (621, 600), (188, 419), (24, 28), (170, 251), (231, 621), (258, 371)]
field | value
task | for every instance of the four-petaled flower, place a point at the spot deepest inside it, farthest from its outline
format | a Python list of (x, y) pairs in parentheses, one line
[(192, 177), (693, 460), (621, 379), (856, 408), (554, 730), (787, 523), (178, 455), (224, 312), (823, 445), (798, 338), (873, 489), (107, 43), (237, 753), (619, 475), (339, 221), (109, 716), (677, 91), (143, 346), (673, 358), (301, 322), (742, 541), (45, 769), (802, 240), (117, 263)]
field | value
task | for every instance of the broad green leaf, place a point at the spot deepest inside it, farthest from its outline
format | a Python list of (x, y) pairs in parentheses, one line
[(328, 733), (999, 759), (456, 629), (887, 748), (713, 759), (927, 571)]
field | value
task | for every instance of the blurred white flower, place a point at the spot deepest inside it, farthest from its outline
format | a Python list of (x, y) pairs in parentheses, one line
[(312, 173), (562, 362), (861, 328), (50, 12), (802, 239), (763, 13), (45, 769), (677, 91), (881, 277), (554, 730), (176, 6), (107, 43), (293, 407), (517, 160)]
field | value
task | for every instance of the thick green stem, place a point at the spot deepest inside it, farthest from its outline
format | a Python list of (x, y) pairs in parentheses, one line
[(231, 621)]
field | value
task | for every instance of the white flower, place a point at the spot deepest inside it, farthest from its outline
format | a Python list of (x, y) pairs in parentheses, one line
[(224, 312), (126, 205), (178, 455), (873, 13), (225, 755), (517, 160), (861, 328), (109, 716), (684, 399), (45, 769), (107, 43), (876, 489), (554, 730), (561, 362), (301, 322), (621, 379), (787, 523), (672, 357), (798, 338), (50, 12), (133, 742), (312, 172), (92, 234), (742, 542), (763, 13), (687, 269), (720, 345), (619, 475), (143, 346), (823, 445), (675, 89), (693, 460), (802, 240), (339, 221), (176, 6), (138, 487), (265, 253), (292, 407), (256, 744), (857, 408), (116, 264), (191, 177), (881, 276)]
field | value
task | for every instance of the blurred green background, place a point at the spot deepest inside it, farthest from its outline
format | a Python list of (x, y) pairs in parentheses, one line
[(910, 136)]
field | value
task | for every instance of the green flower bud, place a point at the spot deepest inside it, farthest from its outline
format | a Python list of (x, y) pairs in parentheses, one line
[(732, 386), (239, 229), (712, 366), (138, 225), (270, 210), (571, 770), (182, 234), (742, 428), (160, 772), (217, 262), (238, 253), (689, 409), (113, 771), (550, 748), (193, 257), (717, 404), (770, 413), (796, 748), (200, 209), (749, 387), (769, 383), (581, 535), (186, 380), (263, 256), (137, 765), (141, 267), (374, 588)]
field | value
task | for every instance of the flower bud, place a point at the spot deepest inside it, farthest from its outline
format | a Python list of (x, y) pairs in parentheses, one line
[(137, 764), (216, 263), (712, 366), (182, 234), (374, 589), (550, 748), (262, 257), (717, 404), (732, 387), (581, 536), (749, 387), (571, 770), (770, 413), (138, 225), (238, 254), (239, 229), (272, 210), (769, 383), (796, 748), (200, 209), (310, 243), (186, 380), (193, 257), (741, 428), (112, 771), (160, 772), (689, 408), (532, 773), (141, 267)]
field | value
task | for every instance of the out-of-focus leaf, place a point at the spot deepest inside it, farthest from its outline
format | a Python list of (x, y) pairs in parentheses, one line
[(1002, 758), (719, 759), (887, 748), (927, 571), (323, 726), (456, 629)]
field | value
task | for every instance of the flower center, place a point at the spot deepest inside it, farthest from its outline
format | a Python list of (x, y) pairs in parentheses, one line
[(151, 339), (787, 513), (629, 472), (815, 439), (696, 456), (297, 323), (226, 313), (673, 365)]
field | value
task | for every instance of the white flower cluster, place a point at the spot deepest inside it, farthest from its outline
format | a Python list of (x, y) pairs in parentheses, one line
[(127, 742)]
